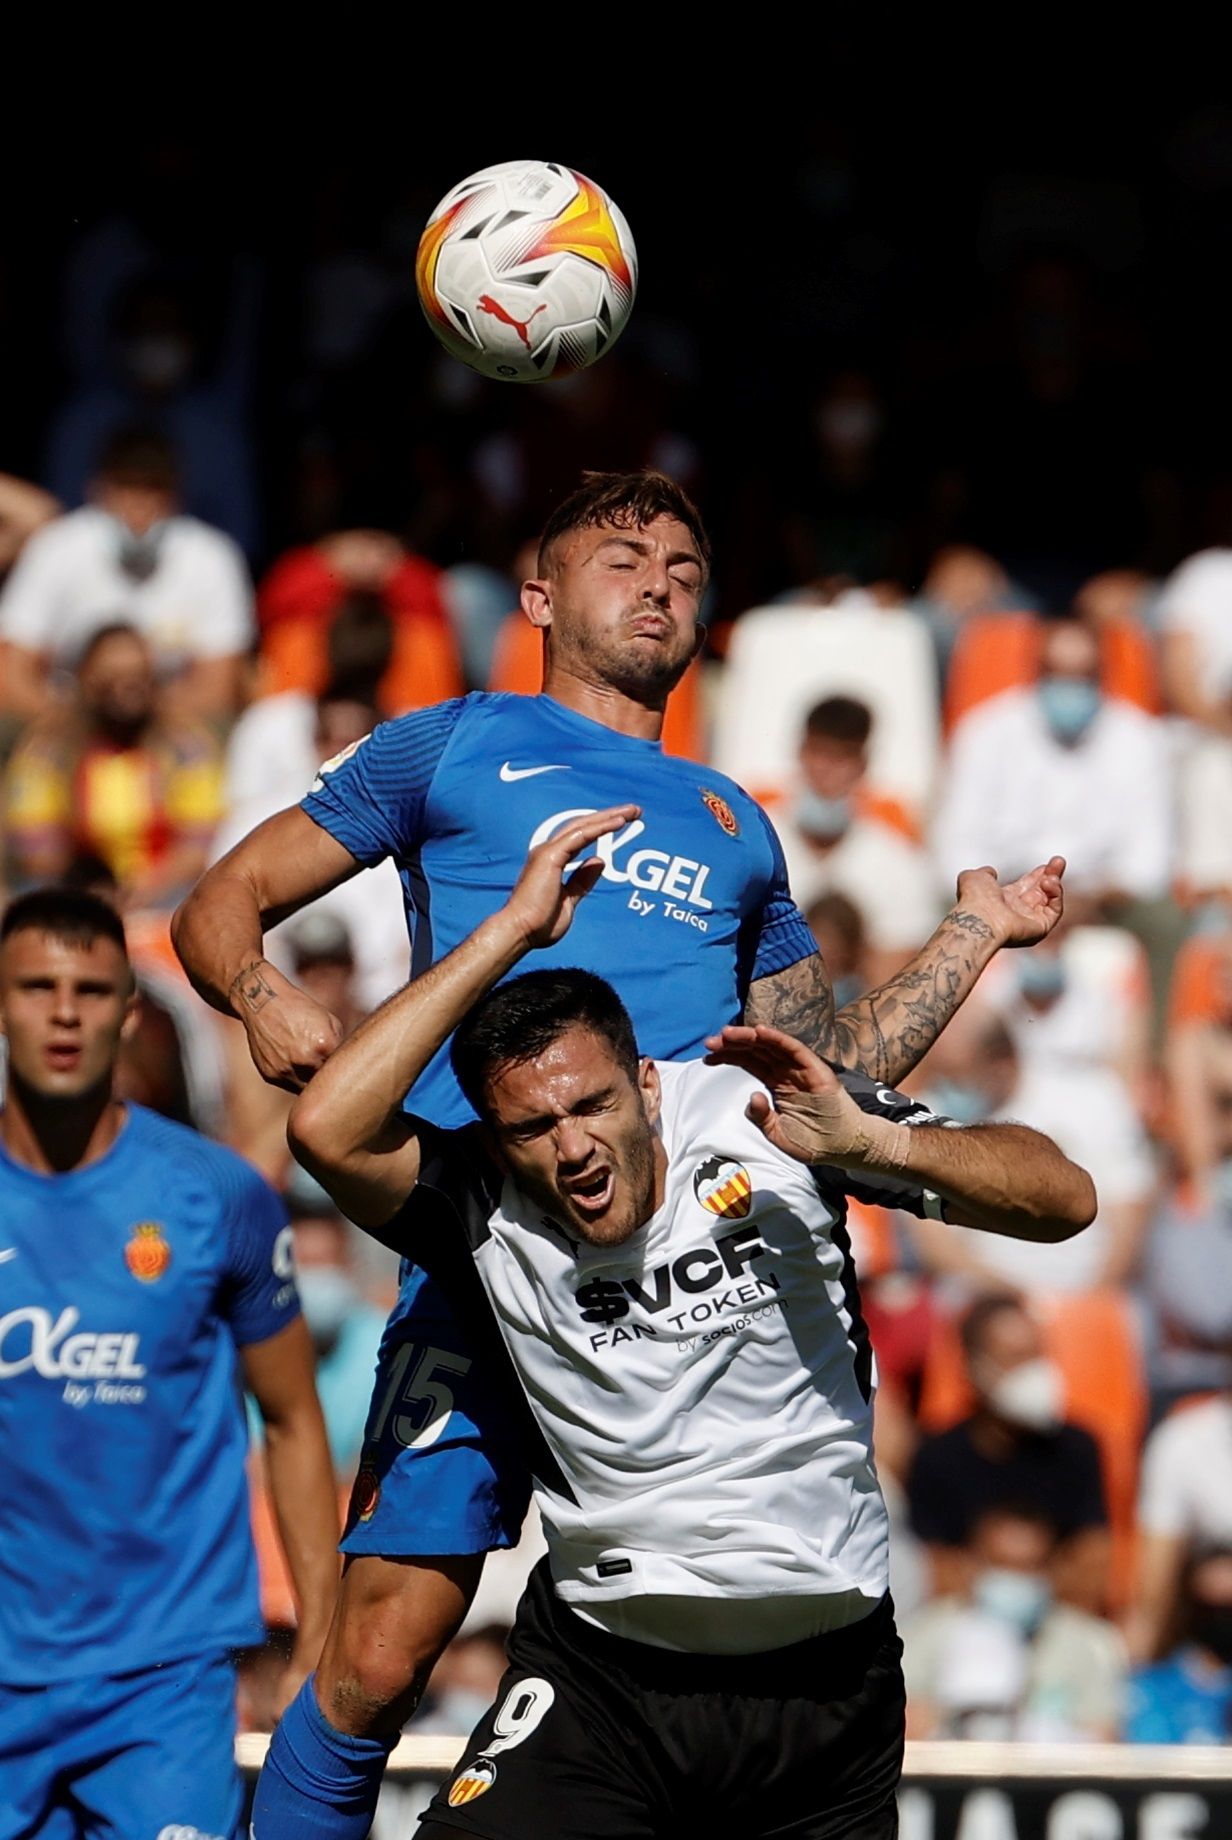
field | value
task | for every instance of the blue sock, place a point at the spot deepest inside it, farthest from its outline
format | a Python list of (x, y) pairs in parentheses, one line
[(316, 1780)]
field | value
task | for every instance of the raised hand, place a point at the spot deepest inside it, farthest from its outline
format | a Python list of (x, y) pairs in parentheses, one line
[(808, 1116), (1020, 913), (543, 901)]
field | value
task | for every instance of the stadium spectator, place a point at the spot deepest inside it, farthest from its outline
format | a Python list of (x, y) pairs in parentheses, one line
[(166, 367), (112, 776), (1196, 613), (1187, 1286), (1084, 1001), (1055, 761), (464, 1682), (1184, 1505), (1187, 1697), (1015, 1446), (345, 1328), (963, 584), (304, 591), (838, 927), (1198, 1059), (1002, 1658), (275, 748), (975, 1074), (128, 555), (837, 839)]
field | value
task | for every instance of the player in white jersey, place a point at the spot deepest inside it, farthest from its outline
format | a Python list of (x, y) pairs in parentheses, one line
[(662, 1249)]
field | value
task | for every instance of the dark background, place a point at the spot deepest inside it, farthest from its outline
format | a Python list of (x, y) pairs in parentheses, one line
[(1030, 293)]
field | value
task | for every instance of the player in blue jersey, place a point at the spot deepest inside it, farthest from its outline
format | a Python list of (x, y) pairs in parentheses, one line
[(694, 923), (141, 1269)]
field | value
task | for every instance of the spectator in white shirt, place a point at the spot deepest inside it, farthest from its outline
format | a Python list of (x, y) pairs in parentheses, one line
[(975, 1076), (1196, 611), (129, 556), (1062, 764), (1184, 1504), (837, 841)]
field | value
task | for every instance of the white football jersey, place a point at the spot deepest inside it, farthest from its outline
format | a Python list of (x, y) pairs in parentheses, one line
[(702, 1393)]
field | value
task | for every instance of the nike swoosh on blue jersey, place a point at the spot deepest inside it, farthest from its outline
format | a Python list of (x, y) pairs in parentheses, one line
[(509, 773)]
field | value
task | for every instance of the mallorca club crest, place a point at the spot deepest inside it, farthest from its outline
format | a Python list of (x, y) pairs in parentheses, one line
[(147, 1253), (723, 1187), (720, 811), (365, 1494), (474, 1779)]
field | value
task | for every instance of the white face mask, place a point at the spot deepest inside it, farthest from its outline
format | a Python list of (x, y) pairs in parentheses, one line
[(1031, 1395)]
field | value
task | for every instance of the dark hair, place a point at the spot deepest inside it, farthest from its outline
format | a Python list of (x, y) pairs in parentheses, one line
[(974, 1324), (71, 914), (840, 718), (358, 648), (139, 457), (102, 635), (628, 501), (520, 1019), (843, 915)]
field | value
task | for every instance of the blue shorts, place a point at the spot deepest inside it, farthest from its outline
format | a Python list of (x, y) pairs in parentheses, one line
[(122, 1756), (442, 1469)]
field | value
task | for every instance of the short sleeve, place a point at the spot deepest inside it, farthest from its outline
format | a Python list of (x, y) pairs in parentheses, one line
[(371, 797), (886, 1190), (783, 935), (258, 1290)]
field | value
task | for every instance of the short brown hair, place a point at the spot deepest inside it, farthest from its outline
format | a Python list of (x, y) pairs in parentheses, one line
[(628, 501), (840, 718)]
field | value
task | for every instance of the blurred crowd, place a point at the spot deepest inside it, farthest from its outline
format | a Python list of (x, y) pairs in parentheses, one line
[(1055, 1423), (222, 581)]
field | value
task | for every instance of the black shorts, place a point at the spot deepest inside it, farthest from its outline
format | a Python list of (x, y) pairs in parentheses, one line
[(595, 1738)]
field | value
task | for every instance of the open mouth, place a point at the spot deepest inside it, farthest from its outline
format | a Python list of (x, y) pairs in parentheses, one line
[(593, 1195), (63, 1057)]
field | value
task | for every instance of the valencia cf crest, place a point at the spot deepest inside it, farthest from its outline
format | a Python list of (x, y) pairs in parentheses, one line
[(723, 1187), (365, 1493), (147, 1253), (721, 812), (474, 1779)]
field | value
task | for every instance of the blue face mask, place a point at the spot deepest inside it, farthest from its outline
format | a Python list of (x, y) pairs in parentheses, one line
[(1015, 1598), (955, 1099), (1070, 705), (1042, 976), (327, 1297), (827, 819)]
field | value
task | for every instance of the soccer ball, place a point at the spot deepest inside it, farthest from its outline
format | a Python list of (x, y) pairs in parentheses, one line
[(526, 271)]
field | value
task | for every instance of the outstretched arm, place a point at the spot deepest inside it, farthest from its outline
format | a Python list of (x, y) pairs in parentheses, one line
[(1004, 1178), (348, 1128), (888, 1032)]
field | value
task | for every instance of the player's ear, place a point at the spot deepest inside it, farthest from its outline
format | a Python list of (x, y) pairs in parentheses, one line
[(132, 1013), (651, 1089), (537, 602)]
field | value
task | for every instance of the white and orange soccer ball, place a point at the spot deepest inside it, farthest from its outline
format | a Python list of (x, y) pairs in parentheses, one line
[(526, 271)]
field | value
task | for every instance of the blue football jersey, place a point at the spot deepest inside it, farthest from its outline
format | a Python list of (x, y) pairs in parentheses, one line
[(126, 1288), (693, 903)]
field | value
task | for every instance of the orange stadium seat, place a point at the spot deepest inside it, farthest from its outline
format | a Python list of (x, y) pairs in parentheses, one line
[(1093, 1338), (424, 668), (517, 667), (995, 652), (1201, 988)]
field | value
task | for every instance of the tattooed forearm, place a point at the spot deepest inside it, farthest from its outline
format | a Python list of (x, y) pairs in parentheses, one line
[(888, 1032), (251, 989)]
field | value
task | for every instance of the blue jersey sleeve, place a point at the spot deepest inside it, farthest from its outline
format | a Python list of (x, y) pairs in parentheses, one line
[(371, 798), (784, 937), (258, 1290)]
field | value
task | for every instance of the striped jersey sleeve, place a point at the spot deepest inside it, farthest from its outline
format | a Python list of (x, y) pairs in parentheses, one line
[(784, 937), (258, 1296), (371, 797)]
